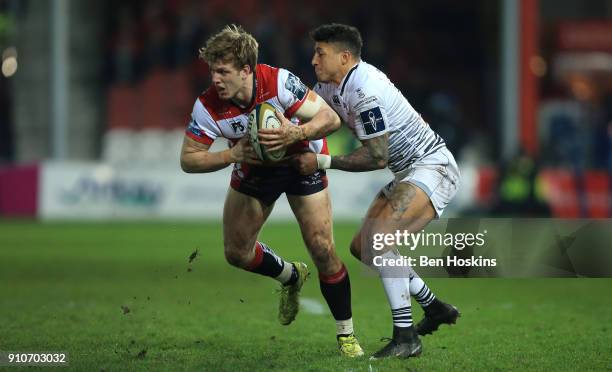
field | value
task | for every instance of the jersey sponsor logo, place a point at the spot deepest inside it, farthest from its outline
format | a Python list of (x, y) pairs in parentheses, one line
[(364, 102), (193, 128), (295, 86), (336, 100), (313, 180), (372, 120), (237, 126)]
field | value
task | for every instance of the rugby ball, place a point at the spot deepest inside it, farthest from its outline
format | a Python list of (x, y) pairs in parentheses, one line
[(263, 116)]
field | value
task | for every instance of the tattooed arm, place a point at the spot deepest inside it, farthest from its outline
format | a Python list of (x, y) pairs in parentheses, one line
[(374, 154)]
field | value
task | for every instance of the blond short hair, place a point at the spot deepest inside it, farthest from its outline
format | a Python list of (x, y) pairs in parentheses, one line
[(232, 44)]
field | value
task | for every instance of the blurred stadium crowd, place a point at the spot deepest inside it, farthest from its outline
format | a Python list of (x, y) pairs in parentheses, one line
[(153, 48), (444, 55)]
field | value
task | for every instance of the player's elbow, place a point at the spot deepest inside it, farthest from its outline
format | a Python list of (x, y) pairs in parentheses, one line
[(381, 161), (186, 165)]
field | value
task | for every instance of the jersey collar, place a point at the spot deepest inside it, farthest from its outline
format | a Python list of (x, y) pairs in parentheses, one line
[(346, 78)]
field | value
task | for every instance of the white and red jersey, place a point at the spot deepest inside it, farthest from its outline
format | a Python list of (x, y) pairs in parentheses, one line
[(212, 117)]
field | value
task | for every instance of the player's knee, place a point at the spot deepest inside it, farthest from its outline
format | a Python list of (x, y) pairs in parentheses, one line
[(322, 249), (236, 258), (322, 259), (356, 247)]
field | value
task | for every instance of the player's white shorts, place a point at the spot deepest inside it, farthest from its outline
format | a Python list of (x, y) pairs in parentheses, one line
[(436, 174)]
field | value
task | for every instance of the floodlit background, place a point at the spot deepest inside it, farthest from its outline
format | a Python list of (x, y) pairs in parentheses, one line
[(95, 96), (97, 221)]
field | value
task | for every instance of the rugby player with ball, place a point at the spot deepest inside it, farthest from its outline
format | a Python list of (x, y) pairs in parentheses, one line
[(246, 97)]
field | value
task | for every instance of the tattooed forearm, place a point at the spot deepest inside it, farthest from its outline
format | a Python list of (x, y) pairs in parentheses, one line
[(374, 154)]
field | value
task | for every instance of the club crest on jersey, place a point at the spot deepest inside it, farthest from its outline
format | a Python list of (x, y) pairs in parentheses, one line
[(372, 120), (237, 126), (360, 93), (295, 86)]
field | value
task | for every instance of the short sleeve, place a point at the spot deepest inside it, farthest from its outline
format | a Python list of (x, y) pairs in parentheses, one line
[(322, 92), (370, 114), (202, 127), (292, 92)]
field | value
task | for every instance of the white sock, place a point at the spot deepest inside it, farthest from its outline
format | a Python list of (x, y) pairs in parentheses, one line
[(344, 327), (397, 290), (285, 275), (420, 290)]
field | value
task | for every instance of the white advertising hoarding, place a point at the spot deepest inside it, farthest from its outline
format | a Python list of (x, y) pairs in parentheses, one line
[(97, 191)]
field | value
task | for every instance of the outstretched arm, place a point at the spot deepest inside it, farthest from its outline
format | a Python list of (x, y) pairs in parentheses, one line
[(374, 154)]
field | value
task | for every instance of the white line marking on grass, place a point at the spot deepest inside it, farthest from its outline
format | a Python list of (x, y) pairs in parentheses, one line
[(312, 306)]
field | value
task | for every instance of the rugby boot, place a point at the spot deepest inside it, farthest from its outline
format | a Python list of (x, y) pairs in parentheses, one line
[(404, 344), (289, 304), (437, 313)]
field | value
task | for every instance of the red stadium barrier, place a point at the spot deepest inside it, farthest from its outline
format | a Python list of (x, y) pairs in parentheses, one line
[(486, 186), (154, 98), (123, 107), (19, 191), (598, 198), (182, 99), (565, 196), (162, 101)]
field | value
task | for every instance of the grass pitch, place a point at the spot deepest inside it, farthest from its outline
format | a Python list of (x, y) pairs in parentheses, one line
[(122, 296)]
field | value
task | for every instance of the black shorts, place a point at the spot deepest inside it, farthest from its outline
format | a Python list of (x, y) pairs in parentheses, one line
[(268, 183)]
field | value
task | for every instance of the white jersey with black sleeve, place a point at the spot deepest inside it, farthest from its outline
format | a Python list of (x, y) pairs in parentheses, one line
[(369, 103)]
